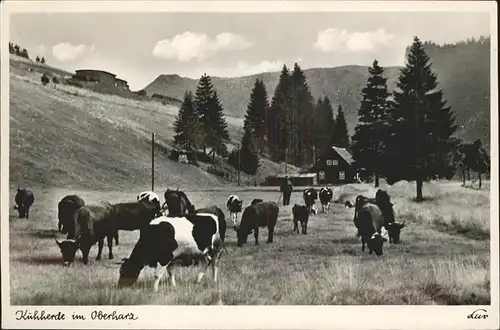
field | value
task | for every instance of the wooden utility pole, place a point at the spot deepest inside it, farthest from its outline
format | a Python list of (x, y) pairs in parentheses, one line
[(286, 159), (239, 164), (152, 161)]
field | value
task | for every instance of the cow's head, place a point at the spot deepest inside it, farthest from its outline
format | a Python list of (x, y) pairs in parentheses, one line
[(129, 272), (150, 200), (348, 204), (375, 244), (255, 201), (394, 230), (68, 249)]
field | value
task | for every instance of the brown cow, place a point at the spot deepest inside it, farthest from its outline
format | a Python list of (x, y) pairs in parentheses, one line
[(369, 223), (262, 214)]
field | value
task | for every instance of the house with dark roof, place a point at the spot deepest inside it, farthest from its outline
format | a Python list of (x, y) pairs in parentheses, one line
[(337, 166)]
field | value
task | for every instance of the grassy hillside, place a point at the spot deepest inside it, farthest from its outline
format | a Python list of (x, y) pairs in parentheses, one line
[(463, 73), (71, 137), (443, 259)]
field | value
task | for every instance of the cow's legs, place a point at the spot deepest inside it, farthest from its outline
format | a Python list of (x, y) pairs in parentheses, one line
[(295, 226), (110, 245), (116, 238), (100, 243), (256, 235), (304, 228), (270, 235), (171, 274), (362, 244), (202, 273), (28, 212), (159, 271), (214, 267), (85, 252)]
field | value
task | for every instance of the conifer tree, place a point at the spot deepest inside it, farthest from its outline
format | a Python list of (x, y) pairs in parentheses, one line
[(302, 126), (249, 159), (324, 125), (203, 96), (187, 125), (421, 144), (255, 116), (340, 136), (277, 117), (371, 134), (219, 134), (42, 60)]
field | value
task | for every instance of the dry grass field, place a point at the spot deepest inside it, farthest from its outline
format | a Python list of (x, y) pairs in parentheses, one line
[(444, 256)]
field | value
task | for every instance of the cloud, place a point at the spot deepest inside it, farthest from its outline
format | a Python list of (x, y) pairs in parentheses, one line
[(331, 40), (188, 45), (65, 51)]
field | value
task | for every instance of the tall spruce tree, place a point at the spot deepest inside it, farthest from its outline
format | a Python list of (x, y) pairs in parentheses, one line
[(249, 158), (255, 117), (324, 125), (340, 136), (219, 135), (278, 117), (210, 113), (369, 141), (187, 125), (421, 144), (302, 126)]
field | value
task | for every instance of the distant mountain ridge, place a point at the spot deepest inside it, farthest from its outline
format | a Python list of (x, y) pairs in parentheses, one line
[(463, 71)]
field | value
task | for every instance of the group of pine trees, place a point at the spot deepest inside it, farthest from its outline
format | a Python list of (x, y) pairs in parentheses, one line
[(23, 52), (410, 135), (200, 122), (292, 127)]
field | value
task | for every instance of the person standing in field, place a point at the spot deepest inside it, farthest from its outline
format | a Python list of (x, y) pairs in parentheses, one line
[(286, 189)]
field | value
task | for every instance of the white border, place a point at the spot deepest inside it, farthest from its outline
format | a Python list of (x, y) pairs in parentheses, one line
[(252, 317)]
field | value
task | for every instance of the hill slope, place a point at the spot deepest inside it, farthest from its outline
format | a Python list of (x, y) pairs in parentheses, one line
[(75, 138), (463, 73)]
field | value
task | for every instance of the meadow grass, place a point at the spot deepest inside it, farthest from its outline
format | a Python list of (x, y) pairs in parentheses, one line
[(444, 256)]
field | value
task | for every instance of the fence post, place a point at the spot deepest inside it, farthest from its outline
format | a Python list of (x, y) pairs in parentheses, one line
[(152, 161)]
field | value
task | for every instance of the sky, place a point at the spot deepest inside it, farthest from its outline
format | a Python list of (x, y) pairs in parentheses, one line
[(138, 47)]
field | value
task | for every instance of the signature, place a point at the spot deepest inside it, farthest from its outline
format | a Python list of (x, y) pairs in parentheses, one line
[(478, 314)]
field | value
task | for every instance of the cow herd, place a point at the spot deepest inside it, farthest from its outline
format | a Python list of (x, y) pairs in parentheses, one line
[(177, 232)]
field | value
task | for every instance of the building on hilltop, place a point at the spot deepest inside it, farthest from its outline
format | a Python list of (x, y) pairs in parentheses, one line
[(95, 76)]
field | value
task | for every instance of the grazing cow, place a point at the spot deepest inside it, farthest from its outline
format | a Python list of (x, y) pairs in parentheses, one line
[(263, 214), (300, 214), (149, 199), (24, 199), (66, 209), (325, 197), (383, 201), (348, 204), (255, 201), (93, 223), (369, 223), (234, 206), (167, 239), (310, 195), (178, 203), (220, 216)]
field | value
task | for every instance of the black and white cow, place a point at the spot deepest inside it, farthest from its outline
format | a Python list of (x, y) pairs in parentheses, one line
[(325, 197), (310, 196), (167, 239), (234, 204)]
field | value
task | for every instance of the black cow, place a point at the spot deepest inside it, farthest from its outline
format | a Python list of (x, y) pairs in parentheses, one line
[(325, 197), (167, 239), (300, 214), (233, 205), (66, 209), (263, 214), (24, 199), (369, 223), (383, 201), (178, 203), (310, 195), (93, 223)]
